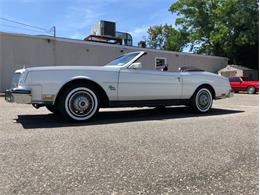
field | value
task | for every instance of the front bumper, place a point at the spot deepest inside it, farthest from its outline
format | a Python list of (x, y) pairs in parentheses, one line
[(18, 95)]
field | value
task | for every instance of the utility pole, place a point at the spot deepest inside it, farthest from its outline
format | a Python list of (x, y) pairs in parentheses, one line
[(54, 31)]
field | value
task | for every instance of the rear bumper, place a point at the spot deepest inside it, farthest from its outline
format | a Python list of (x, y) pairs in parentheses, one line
[(18, 95), (226, 95), (230, 94)]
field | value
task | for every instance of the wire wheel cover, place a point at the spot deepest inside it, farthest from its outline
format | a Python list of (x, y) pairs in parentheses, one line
[(81, 103), (203, 100)]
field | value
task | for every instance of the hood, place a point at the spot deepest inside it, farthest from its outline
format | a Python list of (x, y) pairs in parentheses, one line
[(255, 82), (72, 68)]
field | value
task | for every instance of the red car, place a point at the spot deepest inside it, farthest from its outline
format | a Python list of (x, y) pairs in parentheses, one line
[(243, 84)]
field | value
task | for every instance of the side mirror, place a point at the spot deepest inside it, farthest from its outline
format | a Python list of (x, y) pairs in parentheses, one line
[(136, 65)]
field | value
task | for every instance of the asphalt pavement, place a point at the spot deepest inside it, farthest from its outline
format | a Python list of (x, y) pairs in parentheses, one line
[(131, 150)]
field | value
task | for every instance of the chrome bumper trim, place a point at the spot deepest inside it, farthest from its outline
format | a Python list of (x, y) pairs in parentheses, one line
[(228, 95), (18, 95)]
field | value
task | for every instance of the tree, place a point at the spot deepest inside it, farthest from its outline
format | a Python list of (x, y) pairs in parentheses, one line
[(221, 27), (166, 37)]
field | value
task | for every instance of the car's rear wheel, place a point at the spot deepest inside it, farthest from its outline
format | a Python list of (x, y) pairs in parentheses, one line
[(202, 100), (251, 89), (78, 103), (52, 108)]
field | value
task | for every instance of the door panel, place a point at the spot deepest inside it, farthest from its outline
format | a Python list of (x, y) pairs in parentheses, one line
[(142, 84), (243, 86), (236, 86)]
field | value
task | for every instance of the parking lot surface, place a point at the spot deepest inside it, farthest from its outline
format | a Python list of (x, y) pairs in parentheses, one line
[(131, 150)]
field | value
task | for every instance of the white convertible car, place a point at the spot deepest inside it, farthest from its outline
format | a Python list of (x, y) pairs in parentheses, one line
[(77, 92)]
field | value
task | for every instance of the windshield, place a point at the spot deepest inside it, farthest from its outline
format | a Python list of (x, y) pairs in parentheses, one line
[(122, 60)]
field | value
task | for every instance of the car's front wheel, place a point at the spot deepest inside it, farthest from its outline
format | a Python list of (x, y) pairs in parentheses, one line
[(251, 90), (202, 100), (78, 103)]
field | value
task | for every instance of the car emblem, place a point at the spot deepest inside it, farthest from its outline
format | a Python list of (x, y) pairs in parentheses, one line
[(112, 88)]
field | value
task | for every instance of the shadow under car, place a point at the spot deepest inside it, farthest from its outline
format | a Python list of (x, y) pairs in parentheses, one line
[(111, 117)]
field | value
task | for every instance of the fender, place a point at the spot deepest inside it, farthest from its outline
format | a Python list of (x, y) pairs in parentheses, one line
[(76, 78), (203, 83)]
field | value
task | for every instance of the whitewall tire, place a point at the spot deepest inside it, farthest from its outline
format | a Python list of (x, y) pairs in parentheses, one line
[(202, 100), (79, 103)]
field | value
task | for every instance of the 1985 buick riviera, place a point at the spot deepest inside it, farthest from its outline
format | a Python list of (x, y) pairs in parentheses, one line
[(77, 92)]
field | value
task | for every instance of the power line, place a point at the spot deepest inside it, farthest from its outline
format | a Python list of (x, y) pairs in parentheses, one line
[(50, 31), (11, 26), (36, 27)]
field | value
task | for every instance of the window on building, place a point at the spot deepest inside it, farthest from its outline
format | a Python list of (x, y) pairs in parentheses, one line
[(160, 62)]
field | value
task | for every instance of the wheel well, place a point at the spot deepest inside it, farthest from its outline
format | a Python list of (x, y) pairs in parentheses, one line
[(209, 87), (104, 101), (250, 86)]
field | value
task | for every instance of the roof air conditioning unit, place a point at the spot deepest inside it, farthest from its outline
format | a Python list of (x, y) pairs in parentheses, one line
[(104, 28)]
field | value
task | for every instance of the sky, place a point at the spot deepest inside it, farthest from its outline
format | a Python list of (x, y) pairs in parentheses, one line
[(75, 18)]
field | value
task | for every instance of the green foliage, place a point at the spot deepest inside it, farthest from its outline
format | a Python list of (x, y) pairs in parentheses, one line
[(166, 37), (221, 27), (215, 27)]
